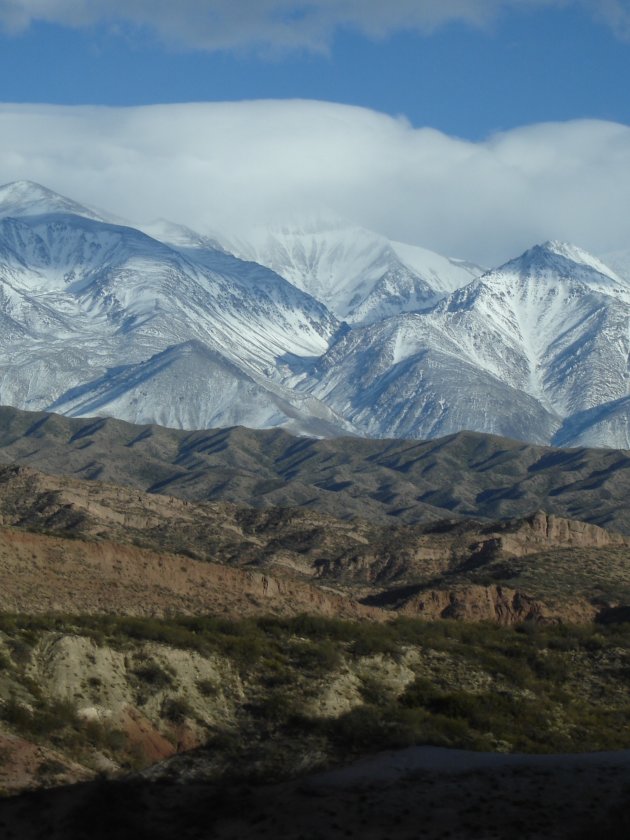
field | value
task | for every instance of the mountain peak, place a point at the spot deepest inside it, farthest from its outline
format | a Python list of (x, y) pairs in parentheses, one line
[(28, 198), (563, 258)]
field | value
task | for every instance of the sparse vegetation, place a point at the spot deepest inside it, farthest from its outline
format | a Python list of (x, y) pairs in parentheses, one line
[(532, 688), (153, 675)]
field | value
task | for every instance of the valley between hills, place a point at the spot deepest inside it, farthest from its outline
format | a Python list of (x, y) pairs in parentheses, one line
[(208, 608)]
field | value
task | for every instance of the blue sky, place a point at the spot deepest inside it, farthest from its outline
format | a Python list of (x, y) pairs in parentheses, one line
[(481, 127), (528, 64)]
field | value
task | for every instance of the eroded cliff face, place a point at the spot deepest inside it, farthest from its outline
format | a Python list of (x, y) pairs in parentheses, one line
[(125, 707), (281, 541), (44, 574), (84, 547), (84, 696), (544, 530), (494, 603), (403, 555), (100, 706)]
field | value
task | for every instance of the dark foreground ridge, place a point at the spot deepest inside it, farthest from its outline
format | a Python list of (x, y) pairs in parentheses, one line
[(449, 795)]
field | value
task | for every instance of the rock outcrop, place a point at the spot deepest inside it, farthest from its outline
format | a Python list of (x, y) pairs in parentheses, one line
[(493, 603)]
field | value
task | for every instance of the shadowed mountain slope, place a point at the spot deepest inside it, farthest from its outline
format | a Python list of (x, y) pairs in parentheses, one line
[(462, 475)]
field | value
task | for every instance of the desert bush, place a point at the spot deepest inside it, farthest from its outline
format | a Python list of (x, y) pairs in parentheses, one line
[(153, 675), (362, 726), (315, 657), (103, 736), (176, 709), (51, 767), (43, 719), (275, 706), (207, 688), (21, 649), (374, 691)]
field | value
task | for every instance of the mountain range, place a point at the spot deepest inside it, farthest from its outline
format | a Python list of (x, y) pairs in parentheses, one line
[(323, 329)]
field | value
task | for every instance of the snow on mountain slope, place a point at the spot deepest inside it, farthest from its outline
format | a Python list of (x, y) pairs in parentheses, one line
[(166, 326), (80, 297), (553, 323), (122, 278), (204, 390), (360, 276), (26, 198), (301, 313), (181, 237), (514, 352), (598, 426), (401, 378)]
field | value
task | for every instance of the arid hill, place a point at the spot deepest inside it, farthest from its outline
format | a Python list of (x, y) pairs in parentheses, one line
[(462, 475), (273, 640), (76, 546)]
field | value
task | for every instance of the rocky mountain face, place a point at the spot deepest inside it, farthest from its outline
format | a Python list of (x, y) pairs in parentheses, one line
[(324, 330), (100, 318), (523, 351)]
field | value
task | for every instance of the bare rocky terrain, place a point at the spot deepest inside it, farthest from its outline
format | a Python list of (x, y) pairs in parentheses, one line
[(86, 547), (574, 799), (212, 601)]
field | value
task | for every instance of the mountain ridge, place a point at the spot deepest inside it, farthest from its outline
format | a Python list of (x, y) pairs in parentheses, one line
[(536, 349), (468, 474)]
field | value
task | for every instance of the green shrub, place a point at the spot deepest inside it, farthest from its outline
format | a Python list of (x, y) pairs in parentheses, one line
[(208, 688), (176, 709), (44, 719), (316, 658), (374, 691), (153, 675)]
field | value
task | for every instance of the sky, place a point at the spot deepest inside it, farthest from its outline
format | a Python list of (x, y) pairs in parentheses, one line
[(473, 127)]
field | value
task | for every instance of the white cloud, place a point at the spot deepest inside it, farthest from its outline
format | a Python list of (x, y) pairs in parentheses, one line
[(284, 24), (231, 165)]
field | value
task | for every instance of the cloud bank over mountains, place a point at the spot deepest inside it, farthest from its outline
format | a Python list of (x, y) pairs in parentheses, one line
[(285, 24), (230, 166)]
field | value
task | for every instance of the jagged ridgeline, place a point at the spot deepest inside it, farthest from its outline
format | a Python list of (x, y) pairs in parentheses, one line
[(380, 481), (323, 329)]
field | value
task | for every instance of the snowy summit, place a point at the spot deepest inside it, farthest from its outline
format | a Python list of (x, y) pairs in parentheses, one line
[(323, 329)]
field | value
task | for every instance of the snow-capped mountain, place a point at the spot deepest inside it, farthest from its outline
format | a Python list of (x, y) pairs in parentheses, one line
[(360, 276), (81, 299), (167, 325), (516, 352), (26, 198), (191, 386)]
